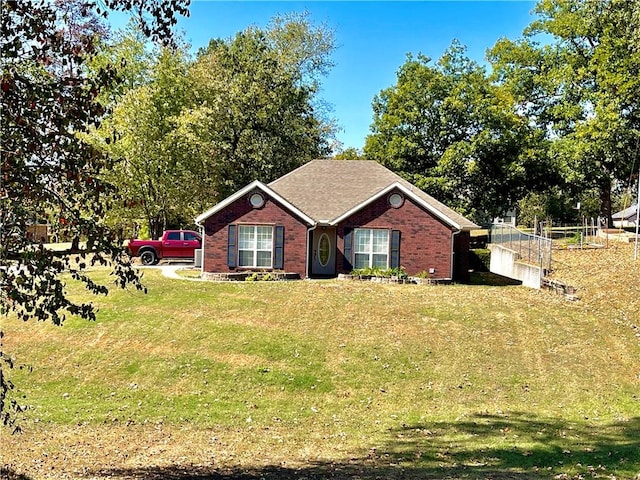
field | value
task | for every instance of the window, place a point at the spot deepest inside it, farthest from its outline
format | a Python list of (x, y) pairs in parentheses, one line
[(371, 248), (396, 200), (256, 200), (191, 237), (173, 236), (324, 250), (255, 245)]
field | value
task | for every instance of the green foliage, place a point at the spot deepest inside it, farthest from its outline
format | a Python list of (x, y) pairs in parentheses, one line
[(555, 114), (398, 272), (423, 274), (480, 259), (581, 88), (144, 233), (447, 128), (350, 153), (152, 181), (253, 113), (261, 276), (52, 171), (575, 239), (558, 206), (196, 130)]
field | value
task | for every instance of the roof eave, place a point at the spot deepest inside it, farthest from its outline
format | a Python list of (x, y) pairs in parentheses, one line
[(409, 193), (240, 193)]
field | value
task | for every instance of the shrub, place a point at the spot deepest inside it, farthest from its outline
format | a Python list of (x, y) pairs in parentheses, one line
[(380, 272), (480, 259)]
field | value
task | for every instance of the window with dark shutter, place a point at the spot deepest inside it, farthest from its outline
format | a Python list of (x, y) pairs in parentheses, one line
[(370, 248), (395, 249), (278, 254), (231, 246), (255, 246), (348, 249)]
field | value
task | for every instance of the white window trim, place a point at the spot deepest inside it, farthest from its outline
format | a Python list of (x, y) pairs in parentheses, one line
[(371, 252), (255, 250)]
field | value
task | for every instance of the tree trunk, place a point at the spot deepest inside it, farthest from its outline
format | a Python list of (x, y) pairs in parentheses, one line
[(605, 201), (156, 228)]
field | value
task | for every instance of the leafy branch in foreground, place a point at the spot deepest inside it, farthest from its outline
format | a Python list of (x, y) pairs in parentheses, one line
[(47, 173)]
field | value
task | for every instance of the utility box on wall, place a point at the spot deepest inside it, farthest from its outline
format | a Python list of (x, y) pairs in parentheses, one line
[(197, 257)]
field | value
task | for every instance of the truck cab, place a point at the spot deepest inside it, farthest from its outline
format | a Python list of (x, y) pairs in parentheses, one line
[(179, 244)]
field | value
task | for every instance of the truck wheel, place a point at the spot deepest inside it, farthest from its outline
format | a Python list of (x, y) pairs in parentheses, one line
[(148, 257)]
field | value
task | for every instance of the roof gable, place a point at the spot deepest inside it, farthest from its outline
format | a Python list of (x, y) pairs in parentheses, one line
[(331, 190), (626, 214), (408, 192), (255, 185)]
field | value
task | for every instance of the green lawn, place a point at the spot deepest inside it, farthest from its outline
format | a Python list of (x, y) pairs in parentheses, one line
[(329, 379)]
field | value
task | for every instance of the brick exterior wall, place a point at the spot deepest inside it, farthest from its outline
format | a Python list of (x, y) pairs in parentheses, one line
[(425, 241), (241, 212)]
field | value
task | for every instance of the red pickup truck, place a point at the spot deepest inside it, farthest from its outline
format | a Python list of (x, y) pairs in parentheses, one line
[(174, 244)]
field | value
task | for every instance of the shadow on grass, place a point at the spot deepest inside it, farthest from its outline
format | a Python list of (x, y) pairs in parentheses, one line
[(515, 446), (491, 280), (8, 474)]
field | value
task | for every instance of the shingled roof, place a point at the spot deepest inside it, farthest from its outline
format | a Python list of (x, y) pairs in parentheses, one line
[(626, 214), (326, 190)]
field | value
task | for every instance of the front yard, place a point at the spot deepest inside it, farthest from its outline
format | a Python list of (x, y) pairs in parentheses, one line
[(330, 379)]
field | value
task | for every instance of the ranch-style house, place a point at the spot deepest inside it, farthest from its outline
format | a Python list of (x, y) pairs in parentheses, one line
[(333, 216)]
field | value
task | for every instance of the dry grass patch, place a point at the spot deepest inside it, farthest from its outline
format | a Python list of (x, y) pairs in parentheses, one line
[(335, 379), (605, 279)]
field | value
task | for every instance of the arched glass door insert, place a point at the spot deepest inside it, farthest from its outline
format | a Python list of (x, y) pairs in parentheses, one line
[(324, 250)]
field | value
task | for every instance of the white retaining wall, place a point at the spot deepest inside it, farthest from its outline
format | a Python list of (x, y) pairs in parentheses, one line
[(507, 263)]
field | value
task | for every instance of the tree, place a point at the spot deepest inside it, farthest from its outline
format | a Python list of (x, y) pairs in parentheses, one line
[(129, 54), (253, 112), (258, 95), (349, 153), (581, 88), (152, 182), (197, 130), (558, 206), (454, 133), (47, 99)]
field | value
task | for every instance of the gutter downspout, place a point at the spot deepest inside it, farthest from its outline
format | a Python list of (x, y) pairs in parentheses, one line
[(453, 247), (309, 230), (202, 246)]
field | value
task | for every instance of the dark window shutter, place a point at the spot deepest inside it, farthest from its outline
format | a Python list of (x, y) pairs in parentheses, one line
[(278, 253), (395, 249), (231, 247), (348, 249)]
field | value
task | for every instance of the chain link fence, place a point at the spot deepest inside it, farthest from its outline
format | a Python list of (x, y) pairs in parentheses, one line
[(532, 249)]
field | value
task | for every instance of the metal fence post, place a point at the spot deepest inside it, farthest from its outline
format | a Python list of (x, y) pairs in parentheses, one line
[(520, 244)]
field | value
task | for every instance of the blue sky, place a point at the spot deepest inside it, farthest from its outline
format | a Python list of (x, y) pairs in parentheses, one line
[(373, 39)]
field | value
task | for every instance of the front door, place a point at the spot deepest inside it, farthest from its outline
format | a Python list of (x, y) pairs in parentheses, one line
[(323, 262)]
